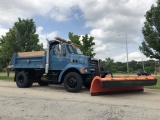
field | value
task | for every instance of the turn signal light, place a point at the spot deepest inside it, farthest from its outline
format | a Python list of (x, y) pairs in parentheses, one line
[(83, 70)]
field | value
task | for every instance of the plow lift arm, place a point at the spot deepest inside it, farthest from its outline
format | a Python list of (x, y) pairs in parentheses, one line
[(120, 84)]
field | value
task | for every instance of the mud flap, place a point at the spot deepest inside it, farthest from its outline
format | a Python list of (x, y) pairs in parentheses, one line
[(121, 84)]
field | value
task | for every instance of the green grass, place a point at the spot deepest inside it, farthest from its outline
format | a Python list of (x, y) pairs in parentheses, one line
[(11, 78), (3, 76)]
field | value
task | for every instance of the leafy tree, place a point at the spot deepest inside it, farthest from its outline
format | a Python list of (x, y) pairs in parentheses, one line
[(149, 66), (134, 65), (108, 64), (85, 45), (151, 31), (74, 38), (120, 67), (21, 37)]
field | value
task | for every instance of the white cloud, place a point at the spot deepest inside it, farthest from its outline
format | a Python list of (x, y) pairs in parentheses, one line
[(3, 31), (44, 36), (39, 30), (57, 10), (107, 19), (98, 33), (137, 56), (114, 18)]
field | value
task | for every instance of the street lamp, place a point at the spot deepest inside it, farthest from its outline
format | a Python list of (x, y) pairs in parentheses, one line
[(126, 52), (143, 65)]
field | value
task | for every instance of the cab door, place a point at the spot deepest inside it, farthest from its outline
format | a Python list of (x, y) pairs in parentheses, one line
[(58, 59)]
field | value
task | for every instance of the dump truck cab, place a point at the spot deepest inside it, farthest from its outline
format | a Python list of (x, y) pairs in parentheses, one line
[(65, 57)]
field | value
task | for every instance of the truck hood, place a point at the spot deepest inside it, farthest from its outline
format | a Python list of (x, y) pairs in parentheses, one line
[(81, 59)]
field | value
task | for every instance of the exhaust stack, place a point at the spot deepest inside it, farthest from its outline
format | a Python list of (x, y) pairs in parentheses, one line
[(47, 58)]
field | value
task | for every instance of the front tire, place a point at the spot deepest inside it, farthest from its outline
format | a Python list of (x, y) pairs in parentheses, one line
[(73, 82)]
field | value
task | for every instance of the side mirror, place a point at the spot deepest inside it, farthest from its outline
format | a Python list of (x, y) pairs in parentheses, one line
[(99, 60)]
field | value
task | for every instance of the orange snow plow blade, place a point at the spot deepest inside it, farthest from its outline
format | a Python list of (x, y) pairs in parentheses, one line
[(120, 84)]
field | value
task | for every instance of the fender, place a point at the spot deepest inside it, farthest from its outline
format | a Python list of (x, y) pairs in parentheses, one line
[(75, 66)]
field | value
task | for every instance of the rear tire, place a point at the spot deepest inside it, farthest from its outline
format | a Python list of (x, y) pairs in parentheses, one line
[(30, 84), (22, 80), (73, 82), (30, 77)]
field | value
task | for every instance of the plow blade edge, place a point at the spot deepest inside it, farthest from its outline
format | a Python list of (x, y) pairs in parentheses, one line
[(120, 84)]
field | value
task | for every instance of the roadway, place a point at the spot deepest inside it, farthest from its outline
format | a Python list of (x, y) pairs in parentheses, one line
[(55, 103)]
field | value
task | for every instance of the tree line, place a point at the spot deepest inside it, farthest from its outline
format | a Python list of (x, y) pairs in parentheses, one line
[(134, 66)]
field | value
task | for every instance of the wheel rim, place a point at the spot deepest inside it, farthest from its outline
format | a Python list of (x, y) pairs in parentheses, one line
[(20, 80), (72, 82)]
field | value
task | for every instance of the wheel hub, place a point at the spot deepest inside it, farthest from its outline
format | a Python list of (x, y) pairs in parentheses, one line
[(21, 80), (72, 82)]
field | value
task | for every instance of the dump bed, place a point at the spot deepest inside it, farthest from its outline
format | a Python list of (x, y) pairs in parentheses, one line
[(34, 59)]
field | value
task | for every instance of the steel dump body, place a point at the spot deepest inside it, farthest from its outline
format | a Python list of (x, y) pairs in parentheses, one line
[(29, 60)]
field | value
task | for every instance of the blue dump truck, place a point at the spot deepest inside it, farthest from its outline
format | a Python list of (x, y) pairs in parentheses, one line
[(63, 62)]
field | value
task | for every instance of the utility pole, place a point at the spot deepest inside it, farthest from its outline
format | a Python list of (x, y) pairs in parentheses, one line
[(127, 54), (143, 65)]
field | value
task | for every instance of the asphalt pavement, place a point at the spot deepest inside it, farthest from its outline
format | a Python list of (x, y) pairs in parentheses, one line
[(55, 103)]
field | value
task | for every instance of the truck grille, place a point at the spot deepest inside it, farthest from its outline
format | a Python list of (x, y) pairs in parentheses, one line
[(93, 65)]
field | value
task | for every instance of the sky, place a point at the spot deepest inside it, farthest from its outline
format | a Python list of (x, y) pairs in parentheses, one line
[(112, 23)]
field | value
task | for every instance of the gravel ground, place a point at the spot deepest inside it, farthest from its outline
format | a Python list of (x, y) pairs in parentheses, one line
[(54, 103)]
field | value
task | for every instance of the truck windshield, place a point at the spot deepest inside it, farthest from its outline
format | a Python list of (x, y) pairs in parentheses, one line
[(74, 50)]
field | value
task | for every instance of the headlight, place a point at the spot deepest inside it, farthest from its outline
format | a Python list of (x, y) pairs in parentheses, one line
[(83, 70)]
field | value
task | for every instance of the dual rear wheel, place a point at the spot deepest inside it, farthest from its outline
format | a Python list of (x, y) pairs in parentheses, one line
[(25, 79)]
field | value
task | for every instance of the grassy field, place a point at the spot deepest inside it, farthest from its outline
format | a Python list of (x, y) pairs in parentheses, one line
[(157, 86), (3, 76)]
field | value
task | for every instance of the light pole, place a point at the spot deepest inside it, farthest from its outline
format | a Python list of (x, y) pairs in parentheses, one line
[(143, 65), (126, 52)]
